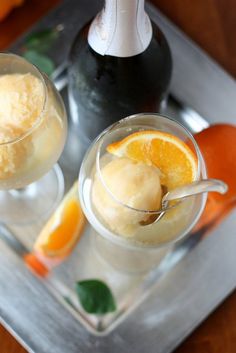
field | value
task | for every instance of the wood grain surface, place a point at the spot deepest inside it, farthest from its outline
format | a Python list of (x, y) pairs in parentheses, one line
[(21, 18), (212, 24)]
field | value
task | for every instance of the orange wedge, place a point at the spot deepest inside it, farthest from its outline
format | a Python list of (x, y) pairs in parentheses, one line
[(63, 230), (175, 160)]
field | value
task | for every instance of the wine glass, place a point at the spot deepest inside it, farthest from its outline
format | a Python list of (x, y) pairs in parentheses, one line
[(147, 245), (33, 129)]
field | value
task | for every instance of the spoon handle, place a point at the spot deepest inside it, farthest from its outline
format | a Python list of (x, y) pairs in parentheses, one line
[(197, 187)]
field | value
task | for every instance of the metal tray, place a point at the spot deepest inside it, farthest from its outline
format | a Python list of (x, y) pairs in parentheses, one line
[(171, 312)]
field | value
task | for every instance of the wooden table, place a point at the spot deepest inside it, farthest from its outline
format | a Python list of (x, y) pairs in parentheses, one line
[(213, 26)]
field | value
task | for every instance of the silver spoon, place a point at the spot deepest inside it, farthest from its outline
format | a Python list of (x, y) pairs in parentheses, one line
[(195, 188)]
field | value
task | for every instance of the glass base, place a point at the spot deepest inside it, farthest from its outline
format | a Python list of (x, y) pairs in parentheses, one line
[(34, 202), (129, 289)]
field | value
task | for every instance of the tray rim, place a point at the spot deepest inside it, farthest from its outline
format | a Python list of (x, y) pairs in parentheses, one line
[(228, 81)]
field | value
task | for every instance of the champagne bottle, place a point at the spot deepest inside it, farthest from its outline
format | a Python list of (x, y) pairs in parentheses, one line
[(120, 64)]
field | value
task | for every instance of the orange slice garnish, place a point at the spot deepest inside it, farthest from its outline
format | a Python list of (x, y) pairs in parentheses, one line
[(64, 228), (175, 160)]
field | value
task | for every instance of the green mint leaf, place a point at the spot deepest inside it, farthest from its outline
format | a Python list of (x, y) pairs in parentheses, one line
[(41, 41), (44, 63), (95, 296)]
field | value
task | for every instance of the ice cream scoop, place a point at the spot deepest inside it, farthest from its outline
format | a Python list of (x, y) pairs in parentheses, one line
[(123, 191), (21, 102)]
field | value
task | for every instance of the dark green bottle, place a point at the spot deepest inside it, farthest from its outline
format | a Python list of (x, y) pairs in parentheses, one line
[(120, 64)]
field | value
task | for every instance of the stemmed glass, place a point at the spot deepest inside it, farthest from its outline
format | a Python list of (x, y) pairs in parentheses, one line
[(149, 244), (30, 187)]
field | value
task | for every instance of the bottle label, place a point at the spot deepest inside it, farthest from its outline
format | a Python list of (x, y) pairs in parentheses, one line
[(121, 29)]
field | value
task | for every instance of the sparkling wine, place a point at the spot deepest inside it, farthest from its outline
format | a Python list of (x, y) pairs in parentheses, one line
[(120, 64)]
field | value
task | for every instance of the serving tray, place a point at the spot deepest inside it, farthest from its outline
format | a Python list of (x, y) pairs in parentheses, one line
[(185, 289)]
